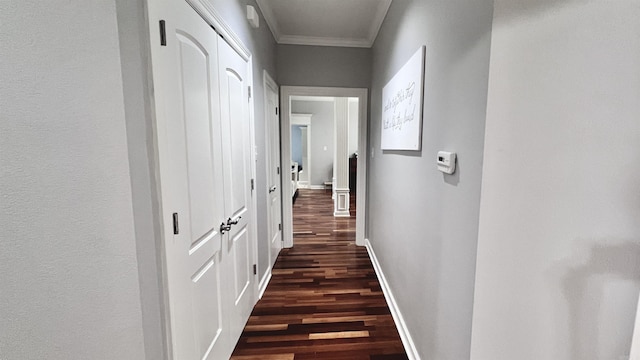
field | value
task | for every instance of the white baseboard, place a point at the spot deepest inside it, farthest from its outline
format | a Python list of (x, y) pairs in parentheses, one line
[(264, 282), (407, 341), (316, 187)]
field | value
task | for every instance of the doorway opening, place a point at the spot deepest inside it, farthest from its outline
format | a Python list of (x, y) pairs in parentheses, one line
[(325, 160)]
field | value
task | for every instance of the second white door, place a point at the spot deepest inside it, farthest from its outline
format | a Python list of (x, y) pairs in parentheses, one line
[(273, 172)]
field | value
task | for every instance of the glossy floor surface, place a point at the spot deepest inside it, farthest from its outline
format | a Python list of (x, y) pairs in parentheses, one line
[(324, 300)]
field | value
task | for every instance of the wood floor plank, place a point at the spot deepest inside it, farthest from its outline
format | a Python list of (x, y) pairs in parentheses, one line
[(324, 300), (339, 335)]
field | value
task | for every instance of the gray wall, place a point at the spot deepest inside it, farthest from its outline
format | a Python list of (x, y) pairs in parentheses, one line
[(70, 287), (322, 125), (559, 243), (262, 46), (423, 225), (300, 65)]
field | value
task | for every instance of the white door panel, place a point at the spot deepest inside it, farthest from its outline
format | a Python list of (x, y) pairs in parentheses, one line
[(204, 152), (194, 151), (235, 98), (240, 255), (234, 111), (207, 305), (274, 177)]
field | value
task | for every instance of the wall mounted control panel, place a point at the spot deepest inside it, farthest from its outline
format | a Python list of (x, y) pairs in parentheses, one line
[(446, 162)]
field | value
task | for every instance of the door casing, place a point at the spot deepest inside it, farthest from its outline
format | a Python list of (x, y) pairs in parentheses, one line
[(285, 138)]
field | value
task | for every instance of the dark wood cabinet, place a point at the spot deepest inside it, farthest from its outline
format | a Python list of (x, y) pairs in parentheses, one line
[(353, 171)]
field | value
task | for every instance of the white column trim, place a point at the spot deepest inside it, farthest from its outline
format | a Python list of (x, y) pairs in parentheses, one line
[(341, 158)]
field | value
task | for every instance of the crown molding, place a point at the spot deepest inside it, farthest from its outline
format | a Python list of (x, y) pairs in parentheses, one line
[(324, 41), (211, 15), (378, 20), (269, 18), (272, 21)]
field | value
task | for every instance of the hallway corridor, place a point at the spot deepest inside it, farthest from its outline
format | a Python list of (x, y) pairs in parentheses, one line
[(324, 300)]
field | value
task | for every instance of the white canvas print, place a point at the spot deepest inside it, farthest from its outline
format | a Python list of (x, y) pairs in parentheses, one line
[(402, 100)]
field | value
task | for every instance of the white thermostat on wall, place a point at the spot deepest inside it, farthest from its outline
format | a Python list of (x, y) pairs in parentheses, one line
[(446, 162)]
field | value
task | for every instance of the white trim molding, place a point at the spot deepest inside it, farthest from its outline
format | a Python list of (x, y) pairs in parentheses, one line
[(405, 336), (213, 18), (269, 18), (341, 205), (300, 119), (264, 282), (378, 20), (324, 41), (363, 42), (285, 138)]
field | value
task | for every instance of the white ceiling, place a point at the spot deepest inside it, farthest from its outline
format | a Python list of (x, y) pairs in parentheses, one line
[(352, 23)]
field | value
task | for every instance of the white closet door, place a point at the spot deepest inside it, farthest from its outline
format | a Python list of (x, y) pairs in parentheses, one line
[(189, 130), (238, 248)]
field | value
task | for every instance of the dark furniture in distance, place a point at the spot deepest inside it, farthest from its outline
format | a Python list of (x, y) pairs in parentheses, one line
[(353, 170)]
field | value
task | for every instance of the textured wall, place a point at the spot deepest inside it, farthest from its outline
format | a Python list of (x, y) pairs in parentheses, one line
[(423, 225), (559, 243), (67, 252)]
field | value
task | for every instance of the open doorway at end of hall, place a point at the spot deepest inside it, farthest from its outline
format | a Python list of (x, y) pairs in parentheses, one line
[(325, 149)]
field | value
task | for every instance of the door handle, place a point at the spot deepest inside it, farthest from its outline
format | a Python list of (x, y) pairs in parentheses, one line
[(224, 227), (273, 188), (234, 222)]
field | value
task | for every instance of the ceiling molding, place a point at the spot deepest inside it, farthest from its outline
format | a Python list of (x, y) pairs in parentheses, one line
[(269, 18), (266, 8), (378, 20), (213, 18), (324, 41)]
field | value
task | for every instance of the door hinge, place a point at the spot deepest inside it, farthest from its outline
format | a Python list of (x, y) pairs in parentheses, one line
[(255, 269), (249, 92), (280, 227), (278, 170), (163, 33), (176, 229), (276, 110), (252, 185)]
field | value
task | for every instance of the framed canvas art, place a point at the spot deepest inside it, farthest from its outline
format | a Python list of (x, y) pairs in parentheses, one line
[(402, 100)]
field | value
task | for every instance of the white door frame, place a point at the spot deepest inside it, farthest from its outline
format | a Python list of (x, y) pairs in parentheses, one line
[(304, 120), (285, 138), (307, 154), (268, 82), (213, 18)]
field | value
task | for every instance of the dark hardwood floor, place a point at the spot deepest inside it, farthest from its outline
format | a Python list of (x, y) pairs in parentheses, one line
[(324, 300)]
